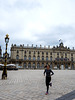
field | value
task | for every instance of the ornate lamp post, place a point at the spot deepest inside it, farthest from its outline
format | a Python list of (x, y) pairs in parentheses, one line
[(4, 74)]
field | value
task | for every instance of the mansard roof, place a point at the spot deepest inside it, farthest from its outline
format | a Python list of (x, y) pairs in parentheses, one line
[(61, 47)]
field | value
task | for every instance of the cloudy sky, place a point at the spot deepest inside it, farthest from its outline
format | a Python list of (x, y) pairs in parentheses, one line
[(37, 22)]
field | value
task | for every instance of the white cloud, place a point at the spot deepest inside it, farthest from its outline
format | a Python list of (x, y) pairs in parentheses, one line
[(38, 21)]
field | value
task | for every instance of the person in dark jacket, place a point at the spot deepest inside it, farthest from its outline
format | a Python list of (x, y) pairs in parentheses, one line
[(49, 73)]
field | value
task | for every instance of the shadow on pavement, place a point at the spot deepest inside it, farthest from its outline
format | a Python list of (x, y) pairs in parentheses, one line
[(69, 96)]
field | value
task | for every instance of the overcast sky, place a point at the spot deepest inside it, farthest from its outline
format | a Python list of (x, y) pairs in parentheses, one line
[(37, 22)]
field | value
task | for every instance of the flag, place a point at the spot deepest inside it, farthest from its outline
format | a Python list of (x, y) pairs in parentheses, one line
[(60, 40)]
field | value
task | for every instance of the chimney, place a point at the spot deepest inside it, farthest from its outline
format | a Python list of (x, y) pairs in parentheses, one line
[(12, 45), (44, 46), (36, 46), (48, 46), (32, 45), (23, 45), (27, 45), (40, 46), (15, 45), (73, 48)]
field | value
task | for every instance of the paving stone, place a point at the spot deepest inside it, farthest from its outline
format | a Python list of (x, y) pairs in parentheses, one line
[(30, 85)]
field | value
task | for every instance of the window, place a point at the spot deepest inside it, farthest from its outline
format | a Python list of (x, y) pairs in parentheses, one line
[(38, 52), (71, 54), (17, 57), (57, 58), (25, 52), (29, 57), (25, 57), (29, 52), (34, 52), (50, 53), (71, 58), (47, 63), (17, 51), (65, 54), (34, 65), (57, 54), (42, 57), (33, 57), (42, 65), (58, 66), (38, 58), (65, 58), (46, 58), (62, 58), (50, 58), (38, 65), (46, 53), (29, 65), (24, 65), (51, 65), (42, 53)]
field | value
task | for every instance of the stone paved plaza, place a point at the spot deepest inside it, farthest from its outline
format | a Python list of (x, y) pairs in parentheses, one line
[(30, 85)]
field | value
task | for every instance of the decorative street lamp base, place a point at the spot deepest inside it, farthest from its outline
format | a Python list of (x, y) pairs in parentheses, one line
[(4, 77)]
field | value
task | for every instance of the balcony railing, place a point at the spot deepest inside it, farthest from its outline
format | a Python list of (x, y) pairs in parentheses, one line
[(62, 59)]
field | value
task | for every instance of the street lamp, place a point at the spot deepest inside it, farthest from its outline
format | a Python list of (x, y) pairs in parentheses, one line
[(4, 74)]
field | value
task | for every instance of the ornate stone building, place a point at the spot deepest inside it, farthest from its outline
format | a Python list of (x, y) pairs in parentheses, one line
[(58, 57)]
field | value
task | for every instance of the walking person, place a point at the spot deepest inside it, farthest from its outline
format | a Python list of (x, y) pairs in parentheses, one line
[(49, 73)]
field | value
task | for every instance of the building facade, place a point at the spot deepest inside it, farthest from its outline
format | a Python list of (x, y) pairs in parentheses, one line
[(58, 57)]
